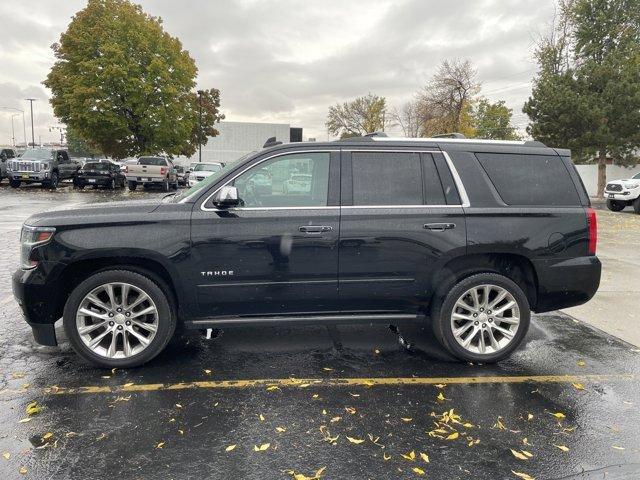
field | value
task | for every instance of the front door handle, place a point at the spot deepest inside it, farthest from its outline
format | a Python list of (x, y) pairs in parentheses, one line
[(439, 227), (315, 228)]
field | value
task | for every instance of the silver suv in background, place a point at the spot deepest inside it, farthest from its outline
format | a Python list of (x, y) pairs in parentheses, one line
[(6, 154), (41, 165)]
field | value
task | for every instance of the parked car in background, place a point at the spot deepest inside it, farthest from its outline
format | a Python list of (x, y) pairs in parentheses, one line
[(6, 154), (100, 174), (150, 171), (202, 171), (473, 234), (623, 193), (299, 183), (41, 165), (183, 175)]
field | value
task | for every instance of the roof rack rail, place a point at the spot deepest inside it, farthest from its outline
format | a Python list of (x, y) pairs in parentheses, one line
[(375, 134), (271, 142), (449, 135), (533, 143)]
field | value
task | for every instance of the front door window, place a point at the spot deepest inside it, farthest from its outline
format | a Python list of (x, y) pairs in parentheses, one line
[(294, 180)]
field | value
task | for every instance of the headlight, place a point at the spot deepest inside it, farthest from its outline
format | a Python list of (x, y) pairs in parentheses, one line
[(30, 238), (631, 186)]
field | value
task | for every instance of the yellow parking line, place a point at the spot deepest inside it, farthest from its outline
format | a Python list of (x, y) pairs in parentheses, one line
[(336, 382)]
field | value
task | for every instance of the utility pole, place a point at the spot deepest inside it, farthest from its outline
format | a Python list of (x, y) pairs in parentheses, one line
[(200, 92), (33, 137), (24, 127), (13, 130)]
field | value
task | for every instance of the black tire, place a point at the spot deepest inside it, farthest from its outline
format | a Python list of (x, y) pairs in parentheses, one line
[(53, 183), (165, 185), (443, 307), (616, 206), (155, 289), (636, 205), (133, 186), (14, 183), (80, 186)]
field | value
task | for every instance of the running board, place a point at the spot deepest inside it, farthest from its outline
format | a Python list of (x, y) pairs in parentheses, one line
[(218, 322)]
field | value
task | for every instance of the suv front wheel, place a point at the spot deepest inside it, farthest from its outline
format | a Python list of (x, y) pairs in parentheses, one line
[(482, 319), (119, 318)]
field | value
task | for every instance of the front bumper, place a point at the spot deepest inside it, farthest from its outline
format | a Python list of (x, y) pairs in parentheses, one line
[(35, 177), (39, 301), (626, 195), (566, 283)]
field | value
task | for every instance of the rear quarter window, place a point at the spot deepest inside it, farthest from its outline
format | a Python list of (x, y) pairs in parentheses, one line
[(530, 179)]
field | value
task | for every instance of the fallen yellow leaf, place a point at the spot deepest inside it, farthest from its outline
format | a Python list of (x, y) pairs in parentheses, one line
[(261, 448), (33, 409), (529, 417), (261, 417), (441, 397), (230, 448), (405, 419), (6, 455), (409, 456), (350, 410), (160, 445), (25, 420), (578, 386), (523, 476), (419, 471), (273, 387), (23, 470), (280, 429), (424, 457), (386, 456), (559, 415), (453, 436), (581, 363), (47, 435), (208, 372), (178, 405), (357, 441), (562, 447), (518, 455), (617, 447)]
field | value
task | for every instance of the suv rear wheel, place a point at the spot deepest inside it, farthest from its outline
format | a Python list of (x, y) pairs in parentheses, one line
[(118, 318), (483, 318)]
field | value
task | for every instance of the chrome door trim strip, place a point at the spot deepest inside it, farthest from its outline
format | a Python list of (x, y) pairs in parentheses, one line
[(464, 198)]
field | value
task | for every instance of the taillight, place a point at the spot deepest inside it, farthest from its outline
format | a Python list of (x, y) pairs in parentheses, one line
[(163, 170), (592, 221)]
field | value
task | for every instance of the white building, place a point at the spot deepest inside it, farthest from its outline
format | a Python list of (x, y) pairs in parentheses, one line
[(236, 139)]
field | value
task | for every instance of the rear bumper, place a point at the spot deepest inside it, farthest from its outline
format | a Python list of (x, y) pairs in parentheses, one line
[(566, 283), (39, 303)]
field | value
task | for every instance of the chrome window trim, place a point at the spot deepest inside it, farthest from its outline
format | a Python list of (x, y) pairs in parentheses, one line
[(464, 198), (279, 154), (449, 140)]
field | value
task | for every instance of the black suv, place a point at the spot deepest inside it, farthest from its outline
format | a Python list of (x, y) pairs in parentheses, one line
[(473, 234)]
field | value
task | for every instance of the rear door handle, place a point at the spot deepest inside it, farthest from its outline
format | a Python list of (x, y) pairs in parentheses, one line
[(315, 228), (439, 227)]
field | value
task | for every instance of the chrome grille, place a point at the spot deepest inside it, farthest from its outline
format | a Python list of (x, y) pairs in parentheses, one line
[(614, 187), (26, 166)]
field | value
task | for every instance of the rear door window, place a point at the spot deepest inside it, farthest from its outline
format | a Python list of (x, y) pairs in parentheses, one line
[(387, 178), (530, 179)]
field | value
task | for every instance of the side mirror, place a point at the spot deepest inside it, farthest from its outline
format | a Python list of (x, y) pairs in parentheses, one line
[(227, 197)]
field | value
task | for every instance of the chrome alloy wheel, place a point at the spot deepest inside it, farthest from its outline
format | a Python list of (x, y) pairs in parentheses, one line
[(117, 320), (485, 319)]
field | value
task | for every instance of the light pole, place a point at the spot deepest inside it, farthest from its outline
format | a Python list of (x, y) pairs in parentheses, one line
[(13, 130), (200, 92), (24, 127), (33, 137)]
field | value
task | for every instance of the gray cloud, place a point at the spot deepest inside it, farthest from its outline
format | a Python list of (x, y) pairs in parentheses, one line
[(288, 61)]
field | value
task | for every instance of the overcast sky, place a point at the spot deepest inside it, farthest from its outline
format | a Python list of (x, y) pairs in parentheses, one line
[(287, 61)]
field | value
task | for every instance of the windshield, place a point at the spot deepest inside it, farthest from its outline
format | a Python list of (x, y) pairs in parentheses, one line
[(37, 154), (96, 166), (152, 161), (207, 167), (636, 176)]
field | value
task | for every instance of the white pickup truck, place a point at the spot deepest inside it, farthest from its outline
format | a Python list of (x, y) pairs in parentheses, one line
[(152, 171), (623, 193)]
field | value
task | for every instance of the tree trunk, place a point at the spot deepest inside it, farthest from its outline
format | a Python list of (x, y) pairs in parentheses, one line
[(602, 171)]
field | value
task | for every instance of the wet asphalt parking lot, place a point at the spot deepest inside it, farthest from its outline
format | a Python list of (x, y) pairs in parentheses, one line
[(341, 402)]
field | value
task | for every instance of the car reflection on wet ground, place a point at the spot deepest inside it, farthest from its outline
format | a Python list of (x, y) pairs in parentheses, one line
[(342, 402)]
